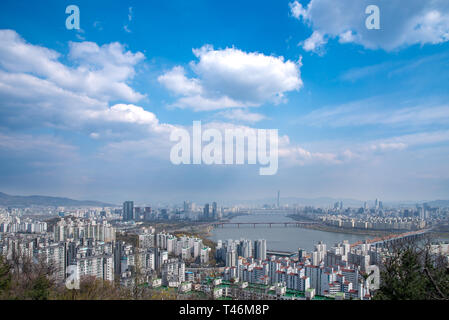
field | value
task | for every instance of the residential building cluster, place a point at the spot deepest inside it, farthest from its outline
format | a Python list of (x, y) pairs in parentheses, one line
[(14, 224), (337, 272), (375, 223), (77, 228)]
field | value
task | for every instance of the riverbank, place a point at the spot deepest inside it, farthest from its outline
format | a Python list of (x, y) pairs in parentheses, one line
[(204, 229), (327, 228), (440, 235)]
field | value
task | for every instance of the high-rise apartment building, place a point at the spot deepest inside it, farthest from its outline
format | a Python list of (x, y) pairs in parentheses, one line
[(260, 249), (206, 211), (128, 211), (279, 199), (214, 210)]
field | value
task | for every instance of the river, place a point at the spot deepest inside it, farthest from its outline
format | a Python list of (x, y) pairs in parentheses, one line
[(280, 237)]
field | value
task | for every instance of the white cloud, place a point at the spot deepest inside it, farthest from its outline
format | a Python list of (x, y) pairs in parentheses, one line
[(97, 25), (36, 96), (389, 146), (132, 115), (232, 78), (367, 112), (402, 23), (125, 113), (416, 139), (94, 135), (36, 151), (176, 81), (37, 90), (346, 37), (242, 115), (130, 14), (80, 37), (297, 10), (295, 155), (130, 18), (99, 72), (367, 71), (29, 144), (370, 151), (33, 102), (315, 43), (201, 103)]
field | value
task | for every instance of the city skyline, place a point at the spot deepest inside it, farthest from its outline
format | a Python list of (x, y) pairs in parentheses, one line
[(124, 247), (362, 114), (277, 201)]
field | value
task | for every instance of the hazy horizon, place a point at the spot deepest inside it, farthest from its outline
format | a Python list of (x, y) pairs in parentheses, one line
[(292, 200)]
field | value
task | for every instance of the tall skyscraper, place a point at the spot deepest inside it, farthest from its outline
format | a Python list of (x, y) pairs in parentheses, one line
[(260, 249), (137, 214), (301, 253), (147, 214), (245, 248), (187, 206), (279, 199), (214, 210), (128, 210), (117, 252), (206, 211), (231, 258)]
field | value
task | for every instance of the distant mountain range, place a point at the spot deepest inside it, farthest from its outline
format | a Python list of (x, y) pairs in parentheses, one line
[(44, 201)]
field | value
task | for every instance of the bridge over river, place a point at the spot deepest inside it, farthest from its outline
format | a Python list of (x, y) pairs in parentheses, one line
[(297, 224), (394, 238)]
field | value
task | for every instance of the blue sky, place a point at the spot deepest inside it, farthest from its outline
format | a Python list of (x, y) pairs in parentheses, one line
[(361, 113)]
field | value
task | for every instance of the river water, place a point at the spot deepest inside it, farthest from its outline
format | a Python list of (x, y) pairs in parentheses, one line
[(280, 237)]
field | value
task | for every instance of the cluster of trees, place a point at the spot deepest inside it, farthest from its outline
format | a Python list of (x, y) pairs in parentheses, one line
[(24, 279), (412, 271)]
